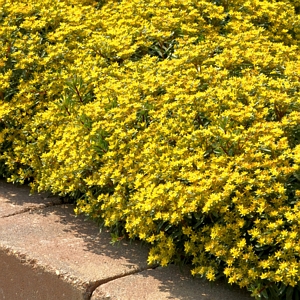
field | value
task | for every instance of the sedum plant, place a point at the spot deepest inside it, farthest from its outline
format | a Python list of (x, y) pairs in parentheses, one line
[(175, 122)]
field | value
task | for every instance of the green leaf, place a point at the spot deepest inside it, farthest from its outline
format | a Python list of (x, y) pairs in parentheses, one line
[(274, 291), (282, 289), (264, 293), (289, 293)]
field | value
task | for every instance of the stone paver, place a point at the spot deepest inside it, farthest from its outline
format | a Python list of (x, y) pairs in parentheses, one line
[(21, 281), (167, 283), (15, 199), (52, 239)]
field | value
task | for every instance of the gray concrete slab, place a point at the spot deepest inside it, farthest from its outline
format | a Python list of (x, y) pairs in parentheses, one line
[(54, 240), (167, 283), (15, 199)]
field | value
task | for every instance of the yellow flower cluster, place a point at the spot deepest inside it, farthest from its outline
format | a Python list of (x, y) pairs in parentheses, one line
[(176, 119)]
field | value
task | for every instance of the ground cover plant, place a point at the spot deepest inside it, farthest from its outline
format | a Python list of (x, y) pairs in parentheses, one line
[(176, 122)]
